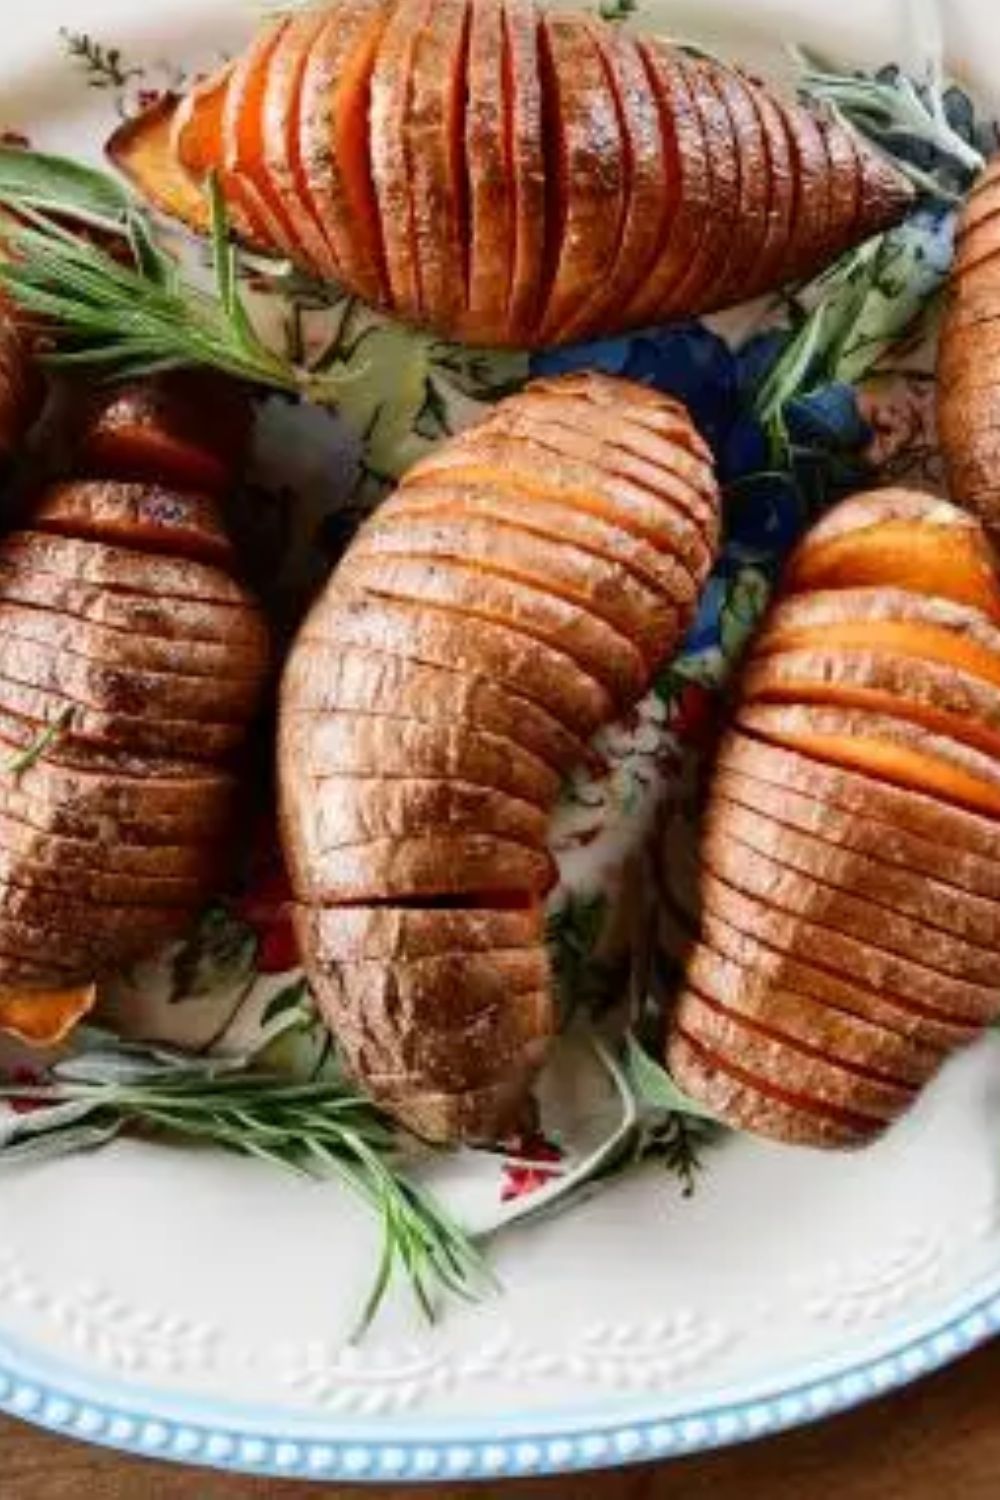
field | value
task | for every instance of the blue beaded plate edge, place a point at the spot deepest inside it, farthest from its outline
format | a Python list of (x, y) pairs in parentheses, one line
[(250, 1440)]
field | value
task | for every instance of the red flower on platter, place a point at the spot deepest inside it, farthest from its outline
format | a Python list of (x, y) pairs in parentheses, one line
[(266, 905), (146, 98), (26, 1077), (695, 714), (533, 1169)]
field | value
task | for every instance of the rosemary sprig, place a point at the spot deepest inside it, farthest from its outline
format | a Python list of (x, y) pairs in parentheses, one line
[(320, 1128), (130, 312), (22, 760)]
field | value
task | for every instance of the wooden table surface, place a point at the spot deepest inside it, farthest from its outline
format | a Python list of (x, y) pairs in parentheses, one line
[(934, 1441)]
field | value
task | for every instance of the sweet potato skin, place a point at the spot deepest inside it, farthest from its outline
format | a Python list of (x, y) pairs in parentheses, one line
[(436, 696), (848, 860), (610, 183), (110, 835)]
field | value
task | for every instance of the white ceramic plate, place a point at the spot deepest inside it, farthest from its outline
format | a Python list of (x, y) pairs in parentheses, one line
[(193, 1307)]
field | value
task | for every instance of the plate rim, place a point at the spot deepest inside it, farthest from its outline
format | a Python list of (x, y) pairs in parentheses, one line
[(281, 1444)]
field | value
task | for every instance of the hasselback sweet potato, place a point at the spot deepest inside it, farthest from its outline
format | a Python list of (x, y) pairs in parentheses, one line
[(850, 853), (968, 387), (131, 663), (496, 611), (511, 176)]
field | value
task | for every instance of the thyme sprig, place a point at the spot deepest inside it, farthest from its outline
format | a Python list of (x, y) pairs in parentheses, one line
[(321, 1128)]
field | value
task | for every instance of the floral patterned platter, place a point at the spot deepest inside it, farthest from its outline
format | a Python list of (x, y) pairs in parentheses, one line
[(197, 1307)]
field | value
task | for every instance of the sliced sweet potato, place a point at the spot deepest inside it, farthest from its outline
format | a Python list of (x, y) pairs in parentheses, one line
[(150, 863), (172, 618), (586, 158), (746, 1102), (142, 148), (931, 1008), (196, 124), (909, 1043), (784, 1063), (188, 429), (973, 918), (818, 1029), (96, 684), (118, 648), (939, 698), (335, 148), (491, 231), (605, 590), (606, 655), (502, 1111), (435, 865), (356, 809), (384, 932), (765, 877), (782, 200), (351, 744), (889, 749), (534, 233), (244, 177), (887, 842), (811, 242), (885, 619), (633, 401), (950, 828), (325, 678), (435, 128), (390, 92), (750, 230), (698, 288), (148, 517), (434, 993), (104, 887), (120, 568), (519, 464), (528, 666), (845, 183), (44, 1017), (645, 201), (555, 521), (281, 159), (950, 559)]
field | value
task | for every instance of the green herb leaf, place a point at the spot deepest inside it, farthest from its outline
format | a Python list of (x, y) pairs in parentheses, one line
[(62, 186), (23, 760)]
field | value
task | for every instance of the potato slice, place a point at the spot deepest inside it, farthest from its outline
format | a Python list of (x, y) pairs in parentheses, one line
[(325, 678), (941, 698), (196, 124), (535, 237), (44, 1017), (785, 1064), (244, 178), (147, 517), (282, 165), (697, 289), (933, 1008), (150, 862), (782, 196), (909, 1041), (353, 744), (355, 809), (645, 202), (434, 130), (491, 230), (436, 865), (335, 148), (606, 655), (389, 102), (811, 243), (965, 915), (528, 666), (586, 205), (605, 590), (142, 148), (45, 873), (767, 878), (113, 567), (437, 994), (555, 520), (750, 230), (746, 1102), (345, 933), (884, 841)]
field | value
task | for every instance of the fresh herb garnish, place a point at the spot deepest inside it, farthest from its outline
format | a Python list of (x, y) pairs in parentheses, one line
[(320, 1128), (23, 760), (105, 67)]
